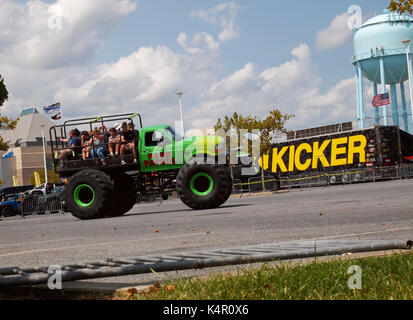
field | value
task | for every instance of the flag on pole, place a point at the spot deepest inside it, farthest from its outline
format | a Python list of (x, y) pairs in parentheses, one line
[(54, 111), (382, 99), (52, 108)]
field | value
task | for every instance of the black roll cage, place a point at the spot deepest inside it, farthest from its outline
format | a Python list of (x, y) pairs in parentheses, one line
[(77, 122)]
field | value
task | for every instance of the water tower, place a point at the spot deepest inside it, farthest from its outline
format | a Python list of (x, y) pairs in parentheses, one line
[(380, 56)]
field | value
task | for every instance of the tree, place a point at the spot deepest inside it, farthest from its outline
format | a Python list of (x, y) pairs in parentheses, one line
[(5, 123), (4, 94), (273, 126), (52, 177), (401, 6)]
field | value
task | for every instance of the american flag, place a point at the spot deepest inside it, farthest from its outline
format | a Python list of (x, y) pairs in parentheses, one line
[(382, 99)]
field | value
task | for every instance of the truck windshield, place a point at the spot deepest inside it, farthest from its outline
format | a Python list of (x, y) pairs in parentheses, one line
[(175, 136)]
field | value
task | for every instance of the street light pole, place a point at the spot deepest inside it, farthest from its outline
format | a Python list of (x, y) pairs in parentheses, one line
[(406, 43), (44, 154), (182, 114)]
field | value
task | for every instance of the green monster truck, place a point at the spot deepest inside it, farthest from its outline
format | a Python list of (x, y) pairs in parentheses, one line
[(107, 186)]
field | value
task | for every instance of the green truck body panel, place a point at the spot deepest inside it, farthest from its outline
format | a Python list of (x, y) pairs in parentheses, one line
[(171, 152)]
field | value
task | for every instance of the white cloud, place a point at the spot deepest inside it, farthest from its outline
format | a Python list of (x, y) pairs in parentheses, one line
[(200, 42), (27, 40), (241, 80), (336, 34), (224, 15), (146, 80), (294, 87)]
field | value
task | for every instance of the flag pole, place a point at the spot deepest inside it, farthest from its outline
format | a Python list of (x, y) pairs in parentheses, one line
[(44, 155), (61, 113)]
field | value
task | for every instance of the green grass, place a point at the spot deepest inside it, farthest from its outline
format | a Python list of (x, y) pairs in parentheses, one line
[(383, 278)]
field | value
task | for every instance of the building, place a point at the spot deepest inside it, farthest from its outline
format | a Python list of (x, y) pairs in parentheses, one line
[(25, 146)]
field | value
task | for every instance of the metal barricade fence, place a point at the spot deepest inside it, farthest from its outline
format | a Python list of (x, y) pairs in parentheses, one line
[(405, 171), (389, 172), (256, 185), (359, 175), (237, 186), (40, 204)]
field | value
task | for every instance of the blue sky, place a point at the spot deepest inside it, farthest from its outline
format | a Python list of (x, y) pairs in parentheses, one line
[(266, 34), (270, 29)]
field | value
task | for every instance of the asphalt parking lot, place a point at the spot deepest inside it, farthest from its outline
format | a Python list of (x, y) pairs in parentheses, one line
[(380, 210)]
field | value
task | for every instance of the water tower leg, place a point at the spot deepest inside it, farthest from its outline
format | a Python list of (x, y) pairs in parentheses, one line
[(376, 111), (394, 104), (411, 81), (383, 90), (358, 98), (360, 85), (404, 107)]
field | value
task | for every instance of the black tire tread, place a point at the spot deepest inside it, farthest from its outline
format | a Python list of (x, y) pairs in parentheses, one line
[(125, 189), (223, 191), (103, 207)]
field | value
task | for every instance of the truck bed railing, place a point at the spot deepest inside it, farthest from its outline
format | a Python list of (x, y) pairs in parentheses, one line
[(75, 160)]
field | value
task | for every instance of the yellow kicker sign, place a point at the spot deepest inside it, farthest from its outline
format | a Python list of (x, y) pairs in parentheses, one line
[(343, 151), (15, 182)]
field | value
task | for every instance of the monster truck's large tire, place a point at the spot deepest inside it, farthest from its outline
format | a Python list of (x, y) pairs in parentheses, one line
[(203, 186), (89, 194), (125, 189)]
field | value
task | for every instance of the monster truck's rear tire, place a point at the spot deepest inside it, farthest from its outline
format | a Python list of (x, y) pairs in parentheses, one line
[(125, 189), (202, 186), (89, 194)]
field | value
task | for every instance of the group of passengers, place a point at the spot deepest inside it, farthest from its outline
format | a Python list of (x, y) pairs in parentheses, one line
[(96, 144)]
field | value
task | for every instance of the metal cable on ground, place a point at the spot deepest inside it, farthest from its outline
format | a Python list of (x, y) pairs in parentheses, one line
[(16, 276)]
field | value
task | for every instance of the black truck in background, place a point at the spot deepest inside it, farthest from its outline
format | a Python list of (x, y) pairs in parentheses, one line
[(376, 151)]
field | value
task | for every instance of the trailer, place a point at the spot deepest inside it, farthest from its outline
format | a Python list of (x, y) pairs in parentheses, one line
[(355, 155)]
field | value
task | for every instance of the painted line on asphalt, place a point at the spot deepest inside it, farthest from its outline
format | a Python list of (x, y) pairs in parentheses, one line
[(362, 233), (39, 242), (97, 244)]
